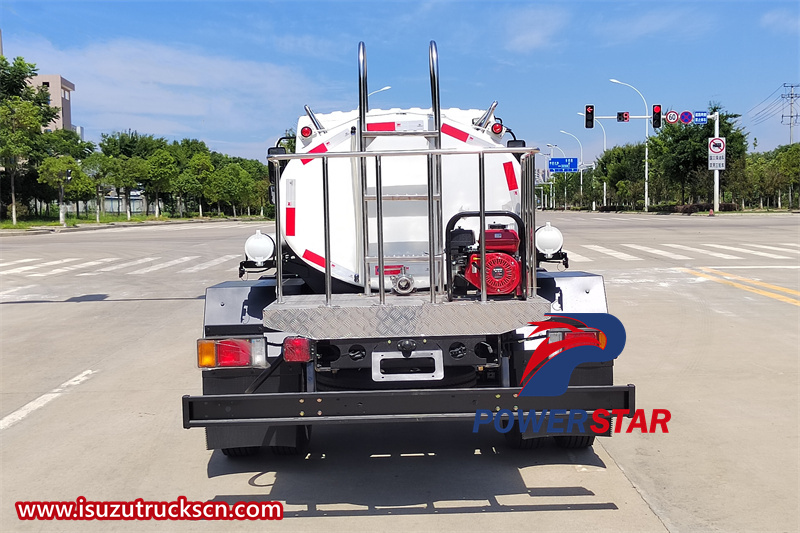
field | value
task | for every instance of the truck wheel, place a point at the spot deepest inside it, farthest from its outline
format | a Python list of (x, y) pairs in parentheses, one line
[(575, 442), (302, 439), (244, 451)]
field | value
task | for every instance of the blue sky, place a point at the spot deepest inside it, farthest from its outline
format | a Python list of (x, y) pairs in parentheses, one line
[(237, 74)]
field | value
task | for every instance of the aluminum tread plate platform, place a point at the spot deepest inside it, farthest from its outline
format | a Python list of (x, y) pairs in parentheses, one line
[(356, 316)]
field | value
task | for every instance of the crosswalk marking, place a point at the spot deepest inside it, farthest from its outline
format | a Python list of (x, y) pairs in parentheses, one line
[(577, 258), (18, 261), (121, 265), (164, 265), (31, 267), (776, 248), (751, 252), (656, 252), (612, 253), (73, 267), (15, 289), (790, 244), (704, 252), (208, 264)]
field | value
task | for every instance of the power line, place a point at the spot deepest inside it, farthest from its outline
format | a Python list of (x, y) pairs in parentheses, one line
[(791, 116), (764, 100)]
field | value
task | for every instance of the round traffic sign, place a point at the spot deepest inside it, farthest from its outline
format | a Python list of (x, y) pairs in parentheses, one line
[(716, 145), (686, 117), (672, 117)]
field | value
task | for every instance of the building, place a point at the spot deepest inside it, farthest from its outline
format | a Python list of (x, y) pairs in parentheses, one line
[(60, 96)]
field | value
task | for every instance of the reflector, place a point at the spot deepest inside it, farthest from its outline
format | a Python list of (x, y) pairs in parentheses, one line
[(305, 131), (497, 128), (296, 350)]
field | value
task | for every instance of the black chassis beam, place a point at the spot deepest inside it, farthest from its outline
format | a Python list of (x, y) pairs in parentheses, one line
[(337, 407)]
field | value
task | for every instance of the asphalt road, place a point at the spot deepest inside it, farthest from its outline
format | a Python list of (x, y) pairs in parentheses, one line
[(97, 346)]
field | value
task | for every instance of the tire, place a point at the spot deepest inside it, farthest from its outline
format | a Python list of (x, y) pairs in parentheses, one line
[(245, 451), (575, 442), (302, 439)]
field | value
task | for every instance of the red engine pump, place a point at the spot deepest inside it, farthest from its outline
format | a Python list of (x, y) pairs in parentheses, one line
[(503, 272)]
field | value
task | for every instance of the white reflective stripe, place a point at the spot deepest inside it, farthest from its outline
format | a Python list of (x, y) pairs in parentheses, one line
[(655, 251), (700, 250), (291, 193), (612, 253)]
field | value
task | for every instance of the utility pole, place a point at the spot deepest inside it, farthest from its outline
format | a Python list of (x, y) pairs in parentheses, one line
[(791, 116)]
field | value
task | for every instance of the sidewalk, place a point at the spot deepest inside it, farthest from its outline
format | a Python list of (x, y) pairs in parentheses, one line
[(42, 230)]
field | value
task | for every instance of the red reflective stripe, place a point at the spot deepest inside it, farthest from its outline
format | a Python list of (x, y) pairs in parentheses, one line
[(314, 258), (381, 126), (290, 221), (321, 149), (390, 270), (511, 178), (455, 133)]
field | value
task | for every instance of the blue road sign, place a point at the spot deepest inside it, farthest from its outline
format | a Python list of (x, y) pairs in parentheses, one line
[(701, 117), (564, 164), (686, 117)]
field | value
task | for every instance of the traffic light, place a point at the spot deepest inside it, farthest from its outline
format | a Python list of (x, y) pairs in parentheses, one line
[(656, 116), (623, 116), (589, 116)]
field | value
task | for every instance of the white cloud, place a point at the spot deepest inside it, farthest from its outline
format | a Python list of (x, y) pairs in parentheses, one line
[(535, 28), (783, 21), (174, 92)]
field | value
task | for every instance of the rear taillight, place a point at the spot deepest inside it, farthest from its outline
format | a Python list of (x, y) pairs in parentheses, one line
[(297, 350), (305, 131), (213, 353), (497, 128)]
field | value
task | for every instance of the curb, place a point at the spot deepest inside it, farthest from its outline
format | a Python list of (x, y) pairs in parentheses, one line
[(46, 230)]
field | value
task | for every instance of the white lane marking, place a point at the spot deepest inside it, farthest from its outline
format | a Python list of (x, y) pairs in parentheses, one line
[(751, 252), (776, 248), (122, 265), (790, 244), (74, 267), (18, 261), (656, 252), (165, 265), (704, 252), (612, 253), (757, 266), (44, 399), (208, 264), (15, 289), (49, 263), (577, 258), (620, 218)]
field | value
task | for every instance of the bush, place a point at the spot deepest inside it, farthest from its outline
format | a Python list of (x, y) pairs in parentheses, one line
[(610, 208)]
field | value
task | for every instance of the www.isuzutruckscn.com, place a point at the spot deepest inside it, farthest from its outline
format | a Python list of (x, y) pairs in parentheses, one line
[(180, 509)]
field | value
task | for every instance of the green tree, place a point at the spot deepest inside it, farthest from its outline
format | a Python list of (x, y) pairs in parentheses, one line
[(191, 181), (58, 172), (229, 184), (14, 83), (20, 124), (98, 167), (131, 144), (163, 171)]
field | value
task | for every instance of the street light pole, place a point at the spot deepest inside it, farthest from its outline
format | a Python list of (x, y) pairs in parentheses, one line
[(380, 90), (580, 162), (646, 145)]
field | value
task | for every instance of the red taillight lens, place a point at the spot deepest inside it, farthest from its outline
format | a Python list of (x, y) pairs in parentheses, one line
[(233, 352), (306, 132), (297, 350), (497, 128)]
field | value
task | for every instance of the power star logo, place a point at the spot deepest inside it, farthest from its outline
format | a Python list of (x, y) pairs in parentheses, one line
[(584, 338)]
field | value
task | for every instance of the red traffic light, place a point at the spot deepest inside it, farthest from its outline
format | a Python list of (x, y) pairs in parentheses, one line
[(656, 108)]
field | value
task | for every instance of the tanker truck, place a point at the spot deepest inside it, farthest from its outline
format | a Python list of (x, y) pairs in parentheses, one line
[(400, 284)]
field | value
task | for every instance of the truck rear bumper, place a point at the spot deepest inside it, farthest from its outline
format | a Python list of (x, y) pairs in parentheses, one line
[(338, 407)]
